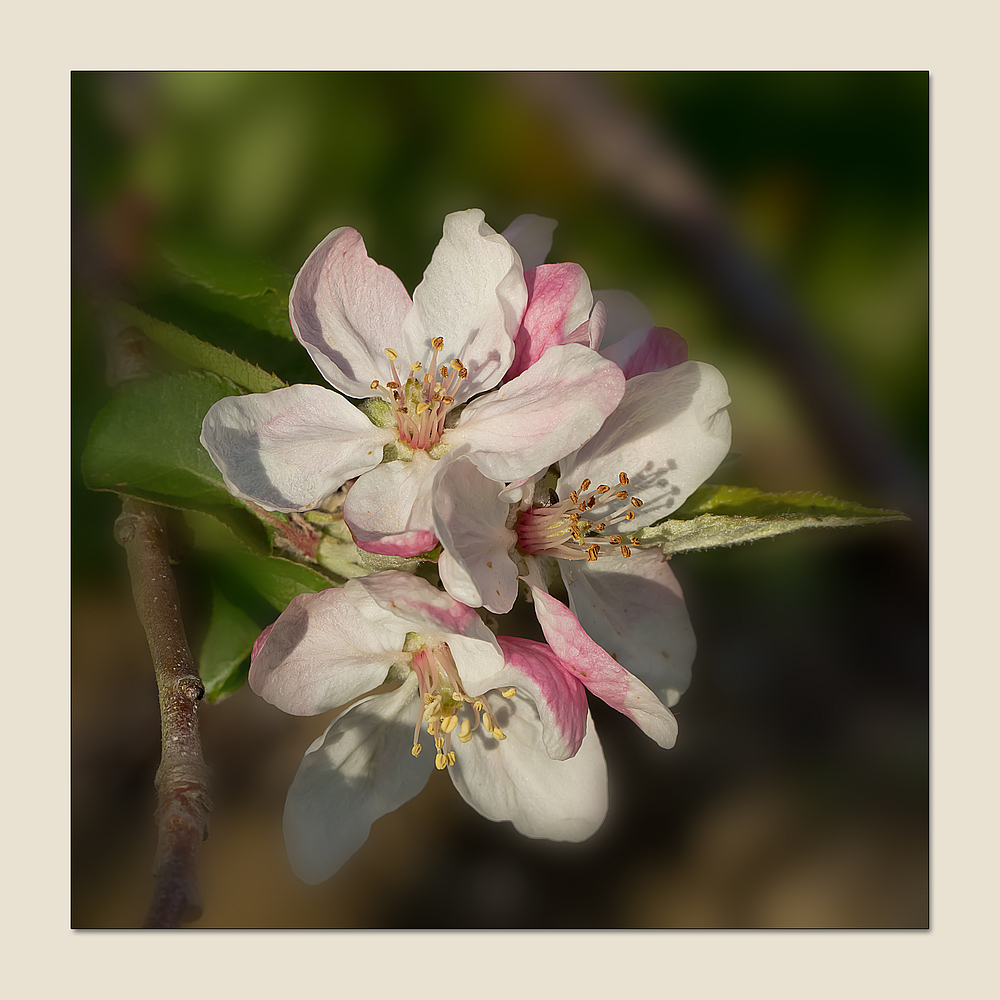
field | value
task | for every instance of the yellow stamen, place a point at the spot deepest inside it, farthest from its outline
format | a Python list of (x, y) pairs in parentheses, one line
[(509, 693), (390, 354), (416, 750), (437, 343)]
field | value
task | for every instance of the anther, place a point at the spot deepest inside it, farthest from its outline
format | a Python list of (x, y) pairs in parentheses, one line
[(603, 489), (630, 515), (585, 485), (593, 552), (509, 693), (465, 733), (437, 343), (449, 724), (623, 479), (374, 384), (457, 364), (392, 385), (443, 371), (441, 761), (448, 399), (622, 494), (416, 750), (451, 757), (498, 734), (390, 354), (635, 501), (464, 373), (615, 539), (626, 551), (416, 366), (600, 526), (574, 496)]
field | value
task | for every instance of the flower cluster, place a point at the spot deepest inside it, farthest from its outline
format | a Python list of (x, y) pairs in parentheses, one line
[(524, 429)]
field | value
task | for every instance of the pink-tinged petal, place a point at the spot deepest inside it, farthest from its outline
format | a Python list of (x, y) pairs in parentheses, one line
[(389, 509), (600, 674), (649, 351), (531, 237), (547, 412), (470, 520), (625, 313), (346, 309), (259, 642), (559, 303), (326, 649), (473, 295), (360, 769), (634, 610), (516, 780), (291, 448), (668, 435), (439, 619), (560, 700)]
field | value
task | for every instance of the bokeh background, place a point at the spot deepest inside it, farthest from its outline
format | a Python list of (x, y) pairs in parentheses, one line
[(779, 222)]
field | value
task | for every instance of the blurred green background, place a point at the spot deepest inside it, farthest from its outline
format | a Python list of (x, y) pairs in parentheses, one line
[(797, 793)]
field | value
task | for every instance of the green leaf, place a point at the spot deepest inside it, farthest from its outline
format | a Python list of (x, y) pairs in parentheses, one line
[(277, 580), (197, 353), (250, 290), (729, 515), (223, 663), (144, 443)]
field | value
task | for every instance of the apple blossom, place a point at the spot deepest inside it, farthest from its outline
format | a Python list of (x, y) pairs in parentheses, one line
[(508, 717), (416, 363), (666, 437)]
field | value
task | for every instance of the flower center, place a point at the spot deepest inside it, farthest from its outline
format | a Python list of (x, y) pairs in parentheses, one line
[(565, 531), (421, 403), (446, 705)]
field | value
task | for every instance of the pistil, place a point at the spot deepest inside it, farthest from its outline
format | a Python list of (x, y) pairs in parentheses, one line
[(421, 403)]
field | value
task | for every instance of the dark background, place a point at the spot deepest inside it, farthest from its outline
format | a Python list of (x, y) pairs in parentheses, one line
[(779, 222)]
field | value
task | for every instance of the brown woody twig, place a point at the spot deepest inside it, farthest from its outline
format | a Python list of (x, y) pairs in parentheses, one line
[(182, 777)]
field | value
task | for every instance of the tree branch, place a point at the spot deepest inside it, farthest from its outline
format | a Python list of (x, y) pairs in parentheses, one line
[(182, 779)]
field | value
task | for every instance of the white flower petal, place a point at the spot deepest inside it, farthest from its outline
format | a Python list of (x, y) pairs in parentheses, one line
[(634, 609), (516, 779), (531, 237), (291, 448), (470, 521), (346, 309), (472, 295), (359, 770), (668, 434), (325, 649), (532, 421), (439, 618), (394, 500)]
